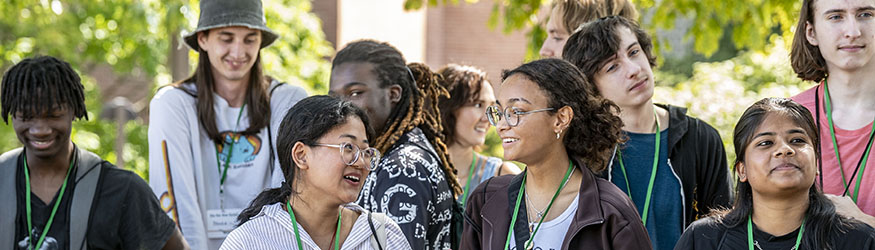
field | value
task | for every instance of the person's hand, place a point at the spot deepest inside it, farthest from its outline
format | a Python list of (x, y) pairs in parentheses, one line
[(846, 207)]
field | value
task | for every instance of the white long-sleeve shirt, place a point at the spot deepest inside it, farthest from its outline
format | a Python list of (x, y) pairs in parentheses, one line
[(184, 164), (273, 229)]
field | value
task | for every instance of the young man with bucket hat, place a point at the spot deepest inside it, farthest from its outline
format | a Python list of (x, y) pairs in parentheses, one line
[(211, 136)]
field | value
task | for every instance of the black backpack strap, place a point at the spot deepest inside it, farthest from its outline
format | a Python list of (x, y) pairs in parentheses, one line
[(374, 231), (9, 211), (87, 177)]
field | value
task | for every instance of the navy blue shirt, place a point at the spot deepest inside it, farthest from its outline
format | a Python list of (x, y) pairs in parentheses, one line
[(665, 216)]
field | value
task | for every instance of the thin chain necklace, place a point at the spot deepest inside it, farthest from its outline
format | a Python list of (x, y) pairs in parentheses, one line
[(757, 244), (540, 213)]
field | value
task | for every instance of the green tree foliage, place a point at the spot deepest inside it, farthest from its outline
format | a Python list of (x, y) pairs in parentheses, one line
[(719, 92), (134, 37), (751, 21)]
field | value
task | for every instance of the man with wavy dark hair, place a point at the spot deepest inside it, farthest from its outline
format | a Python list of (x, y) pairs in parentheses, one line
[(672, 165)]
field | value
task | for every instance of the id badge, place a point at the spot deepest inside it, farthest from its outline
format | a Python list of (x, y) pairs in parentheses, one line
[(220, 222)]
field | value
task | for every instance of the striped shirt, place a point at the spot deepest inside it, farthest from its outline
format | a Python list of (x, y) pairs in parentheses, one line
[(272, 229)]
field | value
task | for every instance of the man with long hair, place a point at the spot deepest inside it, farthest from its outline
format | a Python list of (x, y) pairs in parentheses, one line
[(830, 48), (212, 136)]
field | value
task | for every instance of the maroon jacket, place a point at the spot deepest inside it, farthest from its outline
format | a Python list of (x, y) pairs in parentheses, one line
[(605, 217)]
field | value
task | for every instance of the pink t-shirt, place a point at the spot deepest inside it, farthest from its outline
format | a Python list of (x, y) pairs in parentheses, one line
[(852, 146)]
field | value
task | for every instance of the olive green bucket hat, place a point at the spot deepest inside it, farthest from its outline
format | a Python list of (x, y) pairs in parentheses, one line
[(225, 13)]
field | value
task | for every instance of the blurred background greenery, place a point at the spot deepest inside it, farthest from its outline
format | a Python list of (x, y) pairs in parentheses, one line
[(135, 45), (738, 53)]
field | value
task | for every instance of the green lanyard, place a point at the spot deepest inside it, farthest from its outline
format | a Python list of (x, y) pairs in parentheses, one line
[(861, 165), (224, 172), (750, 234), (298, 235), (652, 174), (516, 208), (42, 237), (468, 183)]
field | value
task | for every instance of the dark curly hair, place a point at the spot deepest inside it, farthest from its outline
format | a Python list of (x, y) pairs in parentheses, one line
[(595, 129), (596, 42), (464, 84)]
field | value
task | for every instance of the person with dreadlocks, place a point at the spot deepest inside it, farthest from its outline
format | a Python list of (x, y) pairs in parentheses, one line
[(212, 136), (414, 183), (55, 195)]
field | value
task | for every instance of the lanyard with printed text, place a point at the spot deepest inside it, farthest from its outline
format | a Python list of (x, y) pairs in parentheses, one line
[(42, 237), (652, 173), (224, 172), (516, 208)]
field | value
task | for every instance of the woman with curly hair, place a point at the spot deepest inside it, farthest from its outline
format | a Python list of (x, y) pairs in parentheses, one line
[(563, 132), (463, 116)]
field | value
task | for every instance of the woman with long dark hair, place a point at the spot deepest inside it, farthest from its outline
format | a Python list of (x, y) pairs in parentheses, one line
[(778, 205), (324, 154), (463, 116), (563, 132)]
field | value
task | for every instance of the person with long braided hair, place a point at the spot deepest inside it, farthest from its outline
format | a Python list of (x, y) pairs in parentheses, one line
[(414, 183)]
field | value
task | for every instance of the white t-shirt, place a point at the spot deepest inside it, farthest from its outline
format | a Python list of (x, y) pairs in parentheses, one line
[(552, 233)]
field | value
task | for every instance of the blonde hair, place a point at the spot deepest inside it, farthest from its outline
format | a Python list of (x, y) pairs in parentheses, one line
[(578, 12)]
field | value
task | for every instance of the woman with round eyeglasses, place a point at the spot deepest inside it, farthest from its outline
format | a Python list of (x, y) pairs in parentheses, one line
[(777, 205), (463, 116), (324, 156), (563, 132)]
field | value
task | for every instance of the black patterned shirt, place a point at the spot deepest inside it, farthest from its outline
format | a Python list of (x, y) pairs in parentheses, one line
[(410, 187)]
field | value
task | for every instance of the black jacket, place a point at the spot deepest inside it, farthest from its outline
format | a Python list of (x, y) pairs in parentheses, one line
[(711, 234), (697, 157)]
